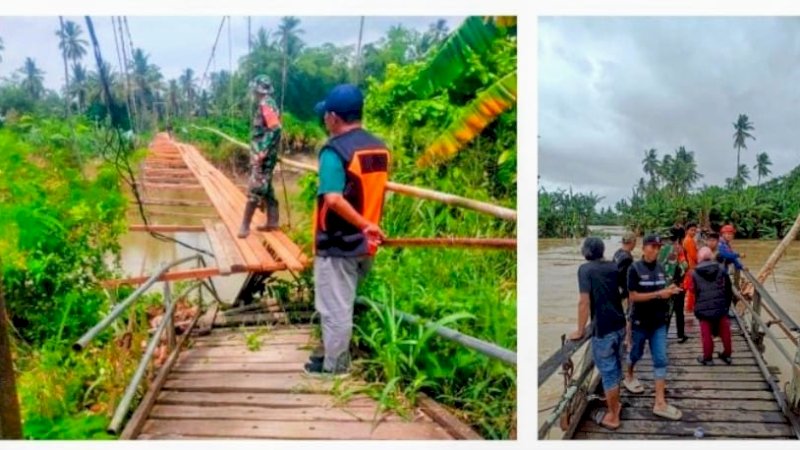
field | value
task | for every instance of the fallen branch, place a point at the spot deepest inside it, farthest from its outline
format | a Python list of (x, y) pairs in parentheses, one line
[(412, 191)]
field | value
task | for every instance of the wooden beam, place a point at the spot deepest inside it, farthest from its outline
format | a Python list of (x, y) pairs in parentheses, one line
[(220, 255), (156, 228), (210, 215), (448, 421), (171, 186), (139, 417), (172, 202), (189, 274)]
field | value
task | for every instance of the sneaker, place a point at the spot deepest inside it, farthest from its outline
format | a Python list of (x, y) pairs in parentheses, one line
[(315, 369), (705, 362), (683, 340), (316, 359), (725, 358)]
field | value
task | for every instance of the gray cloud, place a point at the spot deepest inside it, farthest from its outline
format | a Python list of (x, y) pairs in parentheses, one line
[(610, 88), (175, 43)]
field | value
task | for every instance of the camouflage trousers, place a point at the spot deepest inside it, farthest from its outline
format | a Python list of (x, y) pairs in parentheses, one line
[(262, 164)]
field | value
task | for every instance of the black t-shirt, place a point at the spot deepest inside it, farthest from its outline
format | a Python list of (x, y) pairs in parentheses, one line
[(600, 279), (623, 259), (644, 277)]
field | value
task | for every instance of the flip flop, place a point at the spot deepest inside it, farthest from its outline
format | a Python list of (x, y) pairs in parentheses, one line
[(598, 415), (670, 412), (634, 387)]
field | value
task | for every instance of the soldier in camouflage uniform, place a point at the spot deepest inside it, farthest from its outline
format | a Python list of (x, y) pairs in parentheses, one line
[(264, 140)]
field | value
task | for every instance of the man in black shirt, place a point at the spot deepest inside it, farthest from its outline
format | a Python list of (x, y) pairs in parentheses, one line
[(598, 284), (624, 258), (649, 294)]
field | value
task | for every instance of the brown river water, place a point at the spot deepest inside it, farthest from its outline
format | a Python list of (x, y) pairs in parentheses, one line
[(559, 260)]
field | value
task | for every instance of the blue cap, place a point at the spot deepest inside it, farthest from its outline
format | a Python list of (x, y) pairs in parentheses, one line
[(343, 99)]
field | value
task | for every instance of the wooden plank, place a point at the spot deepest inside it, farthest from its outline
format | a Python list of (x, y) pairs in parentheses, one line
[(164, 228), (283, 253), (269, 400), (172, 202), (707, 376), (232, 413), (718, 385), (135, 424), (686, 430), (708, 416), (277, 354), (209, 215), (582, 435), (292, 247), (188, 274), (223, 261), (711, 394), (254, 383), (224, 367), (644, 367), (446, 420), (229, 246), (172, 187), (234, 197), (696, 404), (302, 329), (226, 208), (236, 200), (265, 338), (255, 429)]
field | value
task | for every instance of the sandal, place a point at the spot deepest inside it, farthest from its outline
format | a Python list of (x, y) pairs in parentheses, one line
[(598, 415), (670, 412), (634, 386)]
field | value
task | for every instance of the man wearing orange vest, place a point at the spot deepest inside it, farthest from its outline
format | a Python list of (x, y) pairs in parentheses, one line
[(353, 171)]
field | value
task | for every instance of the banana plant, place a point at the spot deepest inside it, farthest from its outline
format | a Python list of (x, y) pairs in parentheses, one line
[(472, 119)]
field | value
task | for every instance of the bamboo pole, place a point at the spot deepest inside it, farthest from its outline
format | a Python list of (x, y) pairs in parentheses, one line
[(10, 424), (412, 191), (769, 266), (496, 243)]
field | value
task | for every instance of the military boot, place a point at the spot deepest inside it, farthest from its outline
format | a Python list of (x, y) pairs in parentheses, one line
[(273, 218), (249, 210)]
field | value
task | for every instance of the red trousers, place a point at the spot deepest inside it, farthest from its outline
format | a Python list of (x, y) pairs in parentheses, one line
[(723, 328)]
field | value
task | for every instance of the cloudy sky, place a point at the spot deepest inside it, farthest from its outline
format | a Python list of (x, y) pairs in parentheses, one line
[(610, 88), (175, 43)]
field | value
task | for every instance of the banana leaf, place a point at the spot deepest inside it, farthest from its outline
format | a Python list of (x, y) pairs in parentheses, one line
[(475, 35), (472, 119)]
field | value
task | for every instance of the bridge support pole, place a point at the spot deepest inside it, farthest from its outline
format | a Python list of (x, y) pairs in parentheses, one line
[(755, 329), (10, 424), (793, 390)]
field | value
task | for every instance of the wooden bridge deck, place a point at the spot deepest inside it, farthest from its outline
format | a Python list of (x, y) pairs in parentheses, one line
[(727, 402), (171, 165), (221, 389)]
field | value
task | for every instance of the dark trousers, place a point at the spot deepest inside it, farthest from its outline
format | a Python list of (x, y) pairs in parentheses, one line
[(723, 328), (677, 309)]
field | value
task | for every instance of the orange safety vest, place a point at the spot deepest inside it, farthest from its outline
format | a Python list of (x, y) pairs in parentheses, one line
[(366, 162)]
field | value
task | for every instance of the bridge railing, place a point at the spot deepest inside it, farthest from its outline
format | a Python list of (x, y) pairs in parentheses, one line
[(166, 326), (756, 302)]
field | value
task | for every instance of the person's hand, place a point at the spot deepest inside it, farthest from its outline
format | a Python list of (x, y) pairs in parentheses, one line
[(374, 233), (575, 335), (741, 255)]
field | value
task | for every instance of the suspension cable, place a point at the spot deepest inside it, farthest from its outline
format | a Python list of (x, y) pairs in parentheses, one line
[(213, 51), (121, 161)]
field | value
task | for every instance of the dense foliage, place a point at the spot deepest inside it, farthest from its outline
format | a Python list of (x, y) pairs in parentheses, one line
[(667, 194)]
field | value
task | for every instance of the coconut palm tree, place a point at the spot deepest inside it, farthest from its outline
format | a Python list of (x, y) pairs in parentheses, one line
[(651, 165), (291, 44), (742, 126), (71, 45), (173, 98), (187, 84), (33, 79), (78, 87), (762, 166)]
